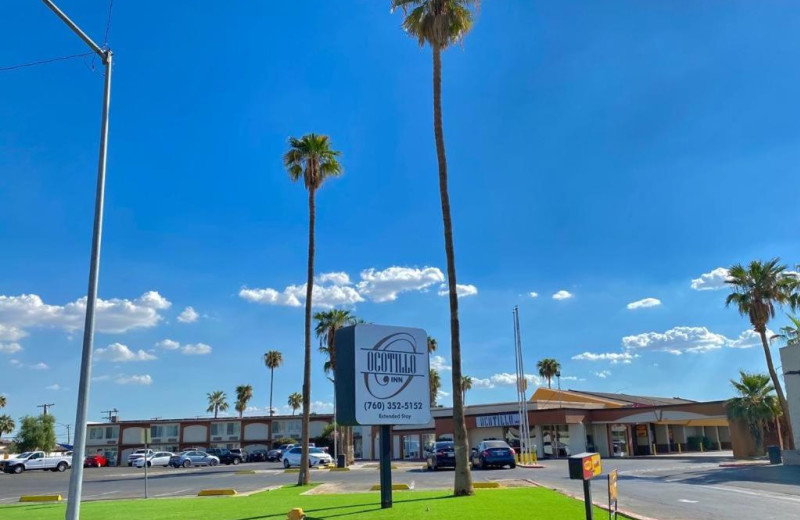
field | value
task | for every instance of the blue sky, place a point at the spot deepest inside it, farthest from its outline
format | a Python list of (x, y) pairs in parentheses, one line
[(613, 150)]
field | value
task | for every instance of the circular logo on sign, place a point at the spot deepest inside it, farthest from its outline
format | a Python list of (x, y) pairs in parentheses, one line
[(391, 365)]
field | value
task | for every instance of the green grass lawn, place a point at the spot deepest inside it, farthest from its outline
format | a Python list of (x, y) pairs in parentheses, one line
[(503, 504)]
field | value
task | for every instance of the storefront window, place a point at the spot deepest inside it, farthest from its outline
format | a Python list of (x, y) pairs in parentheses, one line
[(428, 440), (411, 447), (619, 440), (555, 440)]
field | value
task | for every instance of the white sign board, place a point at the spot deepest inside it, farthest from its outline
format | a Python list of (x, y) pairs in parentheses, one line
[(391, 375)]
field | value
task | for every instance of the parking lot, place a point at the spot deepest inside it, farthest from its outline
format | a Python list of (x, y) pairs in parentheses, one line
[(668, 488)]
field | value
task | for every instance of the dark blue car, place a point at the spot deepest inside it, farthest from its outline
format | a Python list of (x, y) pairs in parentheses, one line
[(493, 453), (442, 455)]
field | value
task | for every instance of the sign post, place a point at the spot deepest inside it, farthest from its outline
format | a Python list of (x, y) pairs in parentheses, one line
[(145, 440), (585, 466), (382, 375), (612, 493)]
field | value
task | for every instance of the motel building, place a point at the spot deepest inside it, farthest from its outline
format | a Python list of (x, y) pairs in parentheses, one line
[(562, 422)]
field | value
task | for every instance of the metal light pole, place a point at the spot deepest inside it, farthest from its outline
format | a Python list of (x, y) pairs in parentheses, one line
[(79, 449)]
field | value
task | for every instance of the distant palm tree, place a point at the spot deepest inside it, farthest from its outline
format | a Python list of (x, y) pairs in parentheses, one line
[(756, 404), (432, 344), (440, 24), (466, 384), (6, 424), (790, 332), (295, 401), (436, 385), (312, 160), (328, 322), (217, 402), (756, 290), (2, 401), (243, 394), (272, 359), (548, 368)]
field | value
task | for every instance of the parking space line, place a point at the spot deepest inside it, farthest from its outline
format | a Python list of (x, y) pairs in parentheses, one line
[(173, 493), (101, 494)]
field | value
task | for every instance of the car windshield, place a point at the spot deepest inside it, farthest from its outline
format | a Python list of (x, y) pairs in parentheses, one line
[(495, 444), (185, 453), (24, 455), (315, 450), (444, 446)]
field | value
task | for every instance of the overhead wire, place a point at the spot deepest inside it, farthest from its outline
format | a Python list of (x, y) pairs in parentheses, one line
[(44, 62)]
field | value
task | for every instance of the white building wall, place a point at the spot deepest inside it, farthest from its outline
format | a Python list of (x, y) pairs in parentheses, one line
[(790, 361)]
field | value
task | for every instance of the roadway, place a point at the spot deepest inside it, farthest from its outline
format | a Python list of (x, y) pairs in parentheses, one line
[(667, 488)]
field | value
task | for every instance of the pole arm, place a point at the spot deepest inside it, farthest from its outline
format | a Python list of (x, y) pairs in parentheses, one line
[(77, 30)]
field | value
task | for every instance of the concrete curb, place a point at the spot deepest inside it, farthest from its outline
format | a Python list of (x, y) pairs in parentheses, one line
[(604, 507), (395, 487), (745, 464), (486, 485), (531, 466), (40, 498), (216, 492)]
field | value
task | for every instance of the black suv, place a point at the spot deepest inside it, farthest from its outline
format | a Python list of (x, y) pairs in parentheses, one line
[(225, 456)]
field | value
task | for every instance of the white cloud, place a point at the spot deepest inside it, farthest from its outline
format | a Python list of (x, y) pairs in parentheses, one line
[(440, 363), (9, 333), (113, 316), (572, 378), (189, 315), (269, 297), (461, 290), (294, 296), (134, 380), (748, 339), (197, 349), (55, 386), (337, 278), (168, 344), (384, 286), (533, 294), (712, 281), (613, 357), (643, 304), (321, 407), (676, 340), (10, 348), (503, 379), (36, 366), (563, 295), (602, 374), (119, 353)]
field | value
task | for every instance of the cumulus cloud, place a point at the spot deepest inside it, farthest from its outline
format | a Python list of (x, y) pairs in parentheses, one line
[(10, 348), (385, 285), (295, 295), (676, 340), (55, 386), (197, 349), (189, 315), (337, 278), (134, 380), (35, 366), (712, 281), (572, 378), (461, 290), (113, 316), (748, 339), (602, 374), (440, 363), (10, 333), (168, 344), (533, 294), (563, 295), (119, 353), (503, 379), (613, 357), (645, 303)]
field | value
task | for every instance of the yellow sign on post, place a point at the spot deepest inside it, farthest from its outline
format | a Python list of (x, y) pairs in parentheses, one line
[(613, 495)]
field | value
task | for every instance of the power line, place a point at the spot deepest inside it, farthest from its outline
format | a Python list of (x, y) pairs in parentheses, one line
[(44, 62), (108, 22), (45, 406)]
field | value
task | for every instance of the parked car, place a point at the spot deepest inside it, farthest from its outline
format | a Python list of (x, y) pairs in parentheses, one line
[(241, 453), (316, 457), (257, 456), (493, 453), (225, 456), (277, 453), (441, 455), (33, 460), (159, 458), (98, 460), (563, 449), (193, 458), (138, 454)]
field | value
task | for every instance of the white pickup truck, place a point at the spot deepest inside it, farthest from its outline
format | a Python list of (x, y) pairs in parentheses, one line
[(31, 460)]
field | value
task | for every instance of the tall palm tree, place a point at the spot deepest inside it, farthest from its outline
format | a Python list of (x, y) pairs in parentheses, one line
[(2, 401), (272, 359), (548, 368), (312, 160), (6, 425), (436, 384), (756, 404), (217, 402), (328, 322), (756, 290), (243, 394), (295, 401), (440, 24), (466, 384), (432, 344)]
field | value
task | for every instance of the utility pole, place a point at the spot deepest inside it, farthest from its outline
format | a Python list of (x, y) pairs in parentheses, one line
[(68, 427), (110, 413), (79, 451), (45, 407)]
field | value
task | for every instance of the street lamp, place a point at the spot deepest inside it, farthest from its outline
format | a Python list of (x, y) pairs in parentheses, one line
[(78, 453)]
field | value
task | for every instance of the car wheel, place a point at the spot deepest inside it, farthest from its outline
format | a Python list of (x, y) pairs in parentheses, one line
[(512, 465), (236, 461), (149, 464), (62, 467), (286, 463), (213, 462), (19, 469), (187, 463)]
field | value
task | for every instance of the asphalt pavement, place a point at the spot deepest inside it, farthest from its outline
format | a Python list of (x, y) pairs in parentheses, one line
[(666, 488)]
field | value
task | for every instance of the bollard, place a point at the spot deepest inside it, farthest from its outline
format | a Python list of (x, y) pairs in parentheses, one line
[(679, 448)]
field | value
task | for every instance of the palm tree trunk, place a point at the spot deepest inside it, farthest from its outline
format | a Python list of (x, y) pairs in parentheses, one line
[(216, 409), (778, 389), (462, 484), (271, 382), (304, 476), (548, 384)]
